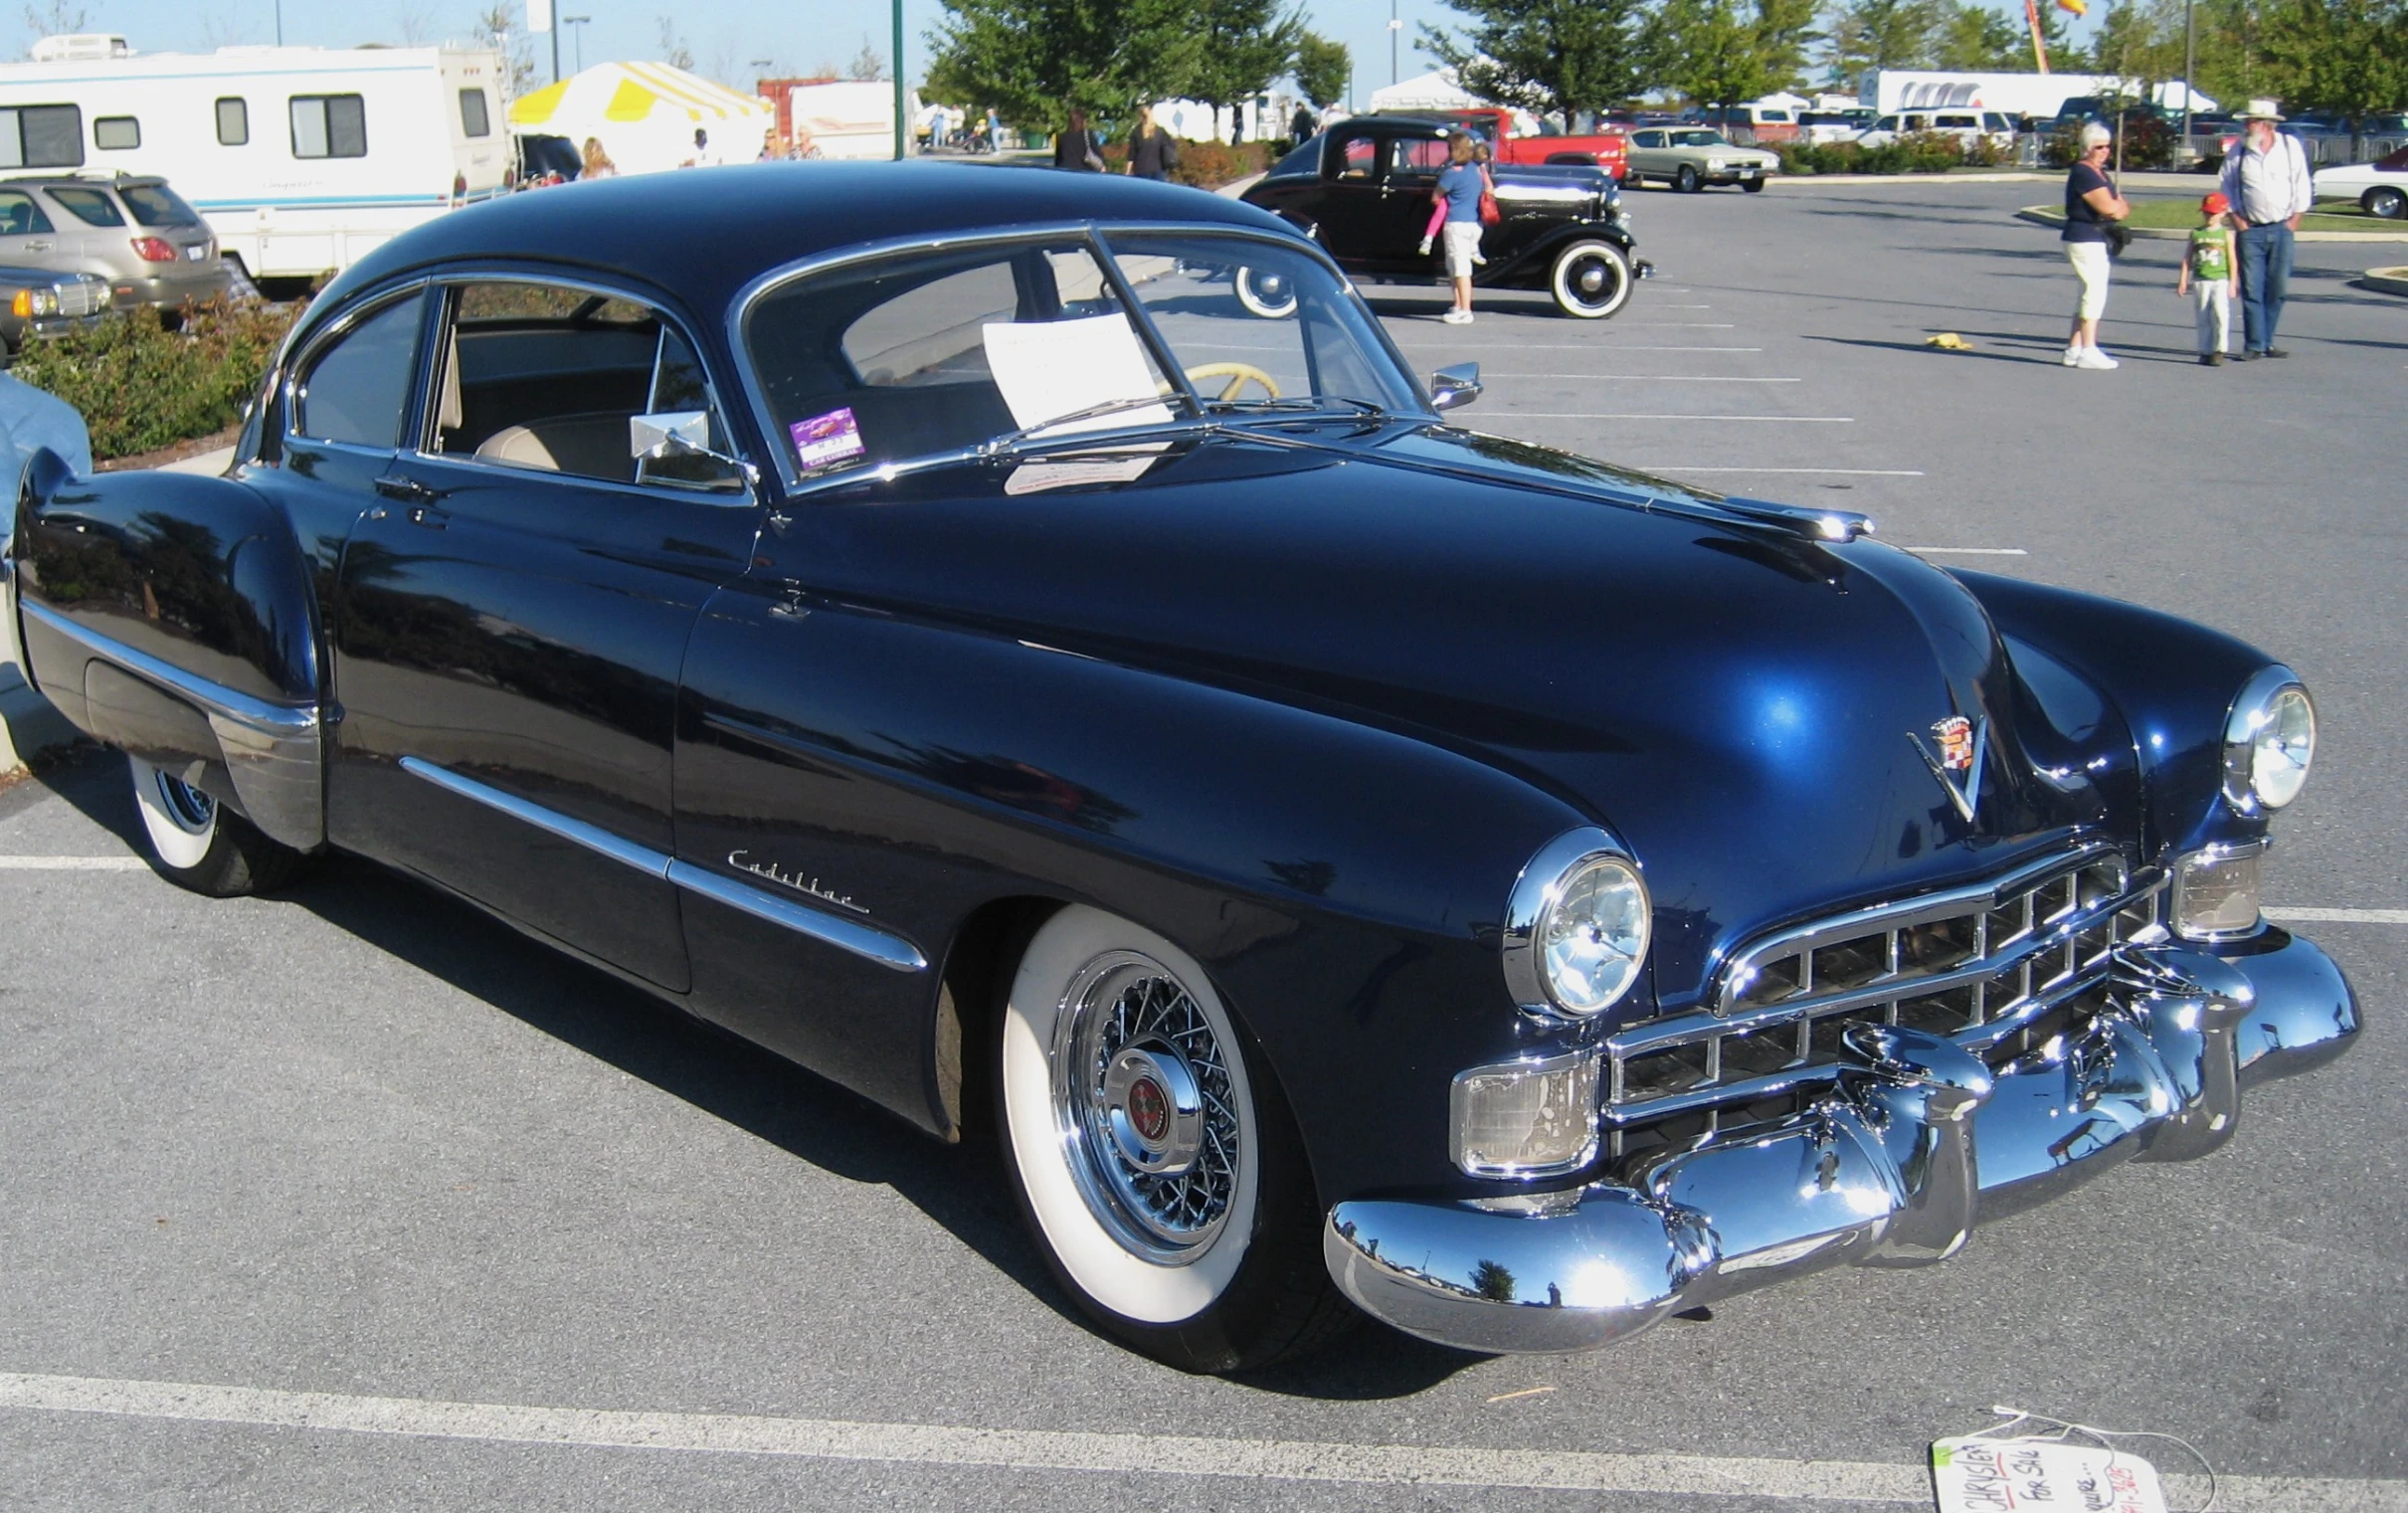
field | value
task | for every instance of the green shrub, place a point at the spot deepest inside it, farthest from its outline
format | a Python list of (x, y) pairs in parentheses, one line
[(2148, 142), (1920, 152), (141, 386)]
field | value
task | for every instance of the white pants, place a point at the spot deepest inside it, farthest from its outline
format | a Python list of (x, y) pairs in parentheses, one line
[(2211, 301), (2090, 266), (1463, 248)]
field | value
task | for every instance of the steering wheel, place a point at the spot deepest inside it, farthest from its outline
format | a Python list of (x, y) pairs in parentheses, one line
[(1238, 374)]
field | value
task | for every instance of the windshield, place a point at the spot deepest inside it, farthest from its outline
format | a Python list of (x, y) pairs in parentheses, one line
[(1698, 140), (941, 352), (157, 205)]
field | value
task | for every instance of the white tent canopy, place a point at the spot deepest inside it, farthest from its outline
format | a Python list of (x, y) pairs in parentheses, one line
[(1426, 91), (645, 115)]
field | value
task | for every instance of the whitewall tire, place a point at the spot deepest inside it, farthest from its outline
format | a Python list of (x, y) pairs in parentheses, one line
[(196, 841), (1589, 280)]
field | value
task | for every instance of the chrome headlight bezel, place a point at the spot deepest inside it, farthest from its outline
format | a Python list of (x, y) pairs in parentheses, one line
[(2271, 700), (1536, 892)]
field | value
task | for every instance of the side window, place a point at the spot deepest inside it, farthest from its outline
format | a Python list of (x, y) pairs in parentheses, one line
[(329, 125), (1352, 157), (1649, 139), (1774, 117), (42, 136), (1416, 157), (93, 207), (116, 133), (473, 120), (234, 122), (357, 389), (20, 216)]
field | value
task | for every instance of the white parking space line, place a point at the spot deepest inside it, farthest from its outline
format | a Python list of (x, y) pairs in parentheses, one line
[(1793, 419), (1301, 1460), (72, 864), (1842, 473), (1968, 551), (2338, 916), (1603, 346), (1650, 378)]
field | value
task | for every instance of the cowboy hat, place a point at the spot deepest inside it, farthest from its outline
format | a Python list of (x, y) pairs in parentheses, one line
[(2262, 110)]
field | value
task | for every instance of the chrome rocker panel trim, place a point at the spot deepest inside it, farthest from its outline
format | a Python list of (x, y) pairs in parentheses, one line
[(884, 947), (1917, 1141), (273, 752)]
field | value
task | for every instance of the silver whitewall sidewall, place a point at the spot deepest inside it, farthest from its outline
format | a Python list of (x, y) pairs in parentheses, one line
[(1136, 1288), (178, 836)]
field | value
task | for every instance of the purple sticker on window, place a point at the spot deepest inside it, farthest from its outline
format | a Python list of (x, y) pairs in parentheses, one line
[(830, 438)]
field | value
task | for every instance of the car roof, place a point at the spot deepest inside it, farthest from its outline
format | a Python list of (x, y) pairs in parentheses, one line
[(705, 233)]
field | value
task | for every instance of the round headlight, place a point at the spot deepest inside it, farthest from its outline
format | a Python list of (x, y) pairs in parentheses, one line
[(1578, 926), (2269, 739)]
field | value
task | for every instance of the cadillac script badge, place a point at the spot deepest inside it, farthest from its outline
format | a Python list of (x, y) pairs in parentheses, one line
[(1962, 743)]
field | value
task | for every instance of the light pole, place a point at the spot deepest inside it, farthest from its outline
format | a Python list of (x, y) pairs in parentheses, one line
[(578, 22), (279, 23), (902, 128), (1395, 29), (2190, 69)]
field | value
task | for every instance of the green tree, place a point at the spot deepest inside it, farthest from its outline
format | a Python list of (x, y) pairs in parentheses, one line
[(2348, 56), (1971, 38), (1494, 1281), (1035, 61), (1241, 46), (1706, 49), (1554, 57), (1864, 34), (1323, 67), (1783, 33)]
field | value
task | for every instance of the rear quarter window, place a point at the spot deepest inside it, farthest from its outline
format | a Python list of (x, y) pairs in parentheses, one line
[(93, 207), (157, 205)]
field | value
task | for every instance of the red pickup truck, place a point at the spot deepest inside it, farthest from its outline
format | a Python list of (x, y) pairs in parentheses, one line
[(1607, 149)]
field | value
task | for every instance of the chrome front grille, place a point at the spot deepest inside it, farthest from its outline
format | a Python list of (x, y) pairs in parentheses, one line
[(82, 297), (1996, 967)]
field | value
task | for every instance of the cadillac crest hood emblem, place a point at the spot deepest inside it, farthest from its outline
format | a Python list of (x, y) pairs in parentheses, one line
[(1961, 744)]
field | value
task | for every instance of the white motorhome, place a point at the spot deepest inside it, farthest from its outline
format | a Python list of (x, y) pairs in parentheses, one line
[(302, 159)]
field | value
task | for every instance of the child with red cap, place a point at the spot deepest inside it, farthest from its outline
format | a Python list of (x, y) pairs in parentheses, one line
[(2214, 266)]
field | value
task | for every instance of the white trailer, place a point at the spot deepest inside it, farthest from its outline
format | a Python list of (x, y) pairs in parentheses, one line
[(2037, 95), (302, 159)]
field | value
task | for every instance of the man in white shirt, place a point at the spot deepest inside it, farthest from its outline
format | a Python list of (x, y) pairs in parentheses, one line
[(2266, 180)]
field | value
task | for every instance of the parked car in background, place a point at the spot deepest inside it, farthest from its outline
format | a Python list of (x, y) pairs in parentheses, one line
[(1750, 125), (38, 302), (1691, 157), (1823, 128), (933, 623), (136, 233), (1606, 150), (1363, 190), (1995, 127), (2380, 188)]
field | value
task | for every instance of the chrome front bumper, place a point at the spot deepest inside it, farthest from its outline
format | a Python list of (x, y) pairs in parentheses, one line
[(1917, 1140)]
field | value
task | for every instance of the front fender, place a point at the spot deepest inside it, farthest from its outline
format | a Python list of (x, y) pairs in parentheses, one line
[(2172, 679)]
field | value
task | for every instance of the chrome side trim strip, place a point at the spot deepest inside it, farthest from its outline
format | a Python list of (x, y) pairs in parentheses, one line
[(214, 698), (884, 947), (551, 822), (273, 752), (887, 949)]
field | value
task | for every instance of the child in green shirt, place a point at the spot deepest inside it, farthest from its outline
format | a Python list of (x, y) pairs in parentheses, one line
[(2211, 274)]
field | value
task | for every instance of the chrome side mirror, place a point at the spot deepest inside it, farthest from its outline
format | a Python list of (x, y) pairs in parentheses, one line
[(1451, 388), (686, 433)]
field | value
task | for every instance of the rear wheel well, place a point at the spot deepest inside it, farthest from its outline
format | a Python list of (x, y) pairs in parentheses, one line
[(979, 968)]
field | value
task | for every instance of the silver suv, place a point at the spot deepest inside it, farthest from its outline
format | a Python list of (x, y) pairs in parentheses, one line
[(136, 233)]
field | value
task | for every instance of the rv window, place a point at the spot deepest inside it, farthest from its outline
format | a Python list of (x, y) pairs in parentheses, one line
[(93, 207), (20, 216), (234, 122), (157, 205), (116, 133), (472, 118), (329, 125), (355, 391), (42, 136)]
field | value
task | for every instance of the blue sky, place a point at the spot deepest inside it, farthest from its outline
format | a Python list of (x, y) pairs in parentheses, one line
[(725, 36)]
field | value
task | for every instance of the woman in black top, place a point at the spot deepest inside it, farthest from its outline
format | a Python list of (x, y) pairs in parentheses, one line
[(1075, 149), (1152, 153), (2090, 201)]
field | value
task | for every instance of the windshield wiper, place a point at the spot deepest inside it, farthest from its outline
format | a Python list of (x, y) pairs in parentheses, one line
[(1318, 405), (1011, 440)]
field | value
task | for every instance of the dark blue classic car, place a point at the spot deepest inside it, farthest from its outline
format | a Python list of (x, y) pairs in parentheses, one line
[(927, 622)]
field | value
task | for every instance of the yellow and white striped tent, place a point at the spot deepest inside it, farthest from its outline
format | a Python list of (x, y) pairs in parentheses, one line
[(646, 114)]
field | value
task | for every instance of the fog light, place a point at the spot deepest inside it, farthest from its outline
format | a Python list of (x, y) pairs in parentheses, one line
[(2216, 892), (1530, 1118)]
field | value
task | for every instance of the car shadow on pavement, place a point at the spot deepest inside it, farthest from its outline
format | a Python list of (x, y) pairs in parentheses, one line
[(962, 1188)]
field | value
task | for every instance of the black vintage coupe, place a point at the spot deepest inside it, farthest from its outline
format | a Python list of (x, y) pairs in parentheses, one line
[(925, 621), (1363, 190)]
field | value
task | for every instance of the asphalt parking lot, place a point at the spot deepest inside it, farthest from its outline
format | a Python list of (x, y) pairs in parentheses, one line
[(353, 1199)]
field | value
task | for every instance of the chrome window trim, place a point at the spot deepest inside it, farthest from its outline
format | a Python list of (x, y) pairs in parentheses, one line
[(1091, 233), (747, 498), (869, 942), (295, 363)]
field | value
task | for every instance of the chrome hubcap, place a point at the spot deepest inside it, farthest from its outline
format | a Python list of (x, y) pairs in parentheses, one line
[(1142, 1098), (192, 811)]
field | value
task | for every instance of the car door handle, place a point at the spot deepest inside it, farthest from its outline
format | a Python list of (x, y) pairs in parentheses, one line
[(409, 491)]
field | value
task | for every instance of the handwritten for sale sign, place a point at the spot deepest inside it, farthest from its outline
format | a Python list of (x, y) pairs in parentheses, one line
[(2031, 1475)]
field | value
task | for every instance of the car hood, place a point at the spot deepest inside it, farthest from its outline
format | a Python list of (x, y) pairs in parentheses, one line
[(1741, 704)]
